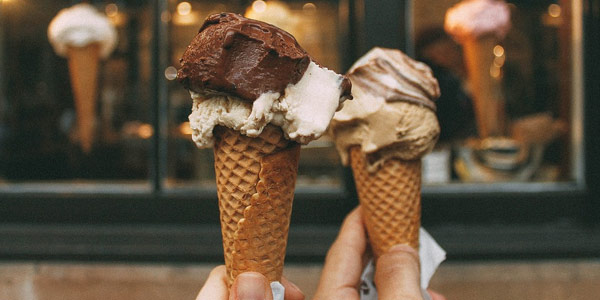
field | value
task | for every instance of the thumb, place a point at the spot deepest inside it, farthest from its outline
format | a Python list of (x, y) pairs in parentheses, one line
[(397, 274), (250, 286)]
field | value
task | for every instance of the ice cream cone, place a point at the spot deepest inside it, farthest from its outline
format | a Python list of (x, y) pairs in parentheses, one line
[(486, 90), (83, 69), (255, 186), (391, 200)]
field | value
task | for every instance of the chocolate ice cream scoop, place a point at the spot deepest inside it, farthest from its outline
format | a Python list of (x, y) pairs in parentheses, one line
[(244, 74), (242, 57)]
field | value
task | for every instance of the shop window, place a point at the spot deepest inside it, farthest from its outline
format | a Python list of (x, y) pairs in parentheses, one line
[(511, 104), (134, 184)]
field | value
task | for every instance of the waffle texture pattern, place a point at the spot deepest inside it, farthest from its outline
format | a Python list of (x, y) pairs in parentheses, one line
[(255, 185), (391, 200)]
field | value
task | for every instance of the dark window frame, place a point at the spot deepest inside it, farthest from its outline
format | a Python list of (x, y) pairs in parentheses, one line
[(155, 223)]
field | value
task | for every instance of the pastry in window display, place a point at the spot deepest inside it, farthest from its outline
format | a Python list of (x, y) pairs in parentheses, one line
[(383, 134), (84, 36), (257, 95), (478, 25)]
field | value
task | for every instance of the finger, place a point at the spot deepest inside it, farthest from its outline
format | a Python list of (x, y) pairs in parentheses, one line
[(397, 274), (215, 287), (251, 286), (340, 277), (292, 292), (436, 296)]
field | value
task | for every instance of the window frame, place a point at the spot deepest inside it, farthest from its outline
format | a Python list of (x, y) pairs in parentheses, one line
[(154, 223)]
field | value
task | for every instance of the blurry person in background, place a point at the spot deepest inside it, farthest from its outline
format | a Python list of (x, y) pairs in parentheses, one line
[(435, 48)]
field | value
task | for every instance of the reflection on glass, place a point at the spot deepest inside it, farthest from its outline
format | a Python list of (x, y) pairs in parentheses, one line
[(505, 105), (41, 124), (314, 28)]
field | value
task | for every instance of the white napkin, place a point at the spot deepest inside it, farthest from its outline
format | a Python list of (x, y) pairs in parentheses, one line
[(431, 255), (278, 290)]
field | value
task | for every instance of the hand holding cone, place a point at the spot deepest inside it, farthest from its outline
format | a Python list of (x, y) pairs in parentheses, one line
[(256, 123), (382, 134), (391, 201)]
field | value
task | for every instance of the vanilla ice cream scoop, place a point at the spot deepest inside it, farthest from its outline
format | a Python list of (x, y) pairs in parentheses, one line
[(476, 18), (393, 113), (245, 74), (79, 26)]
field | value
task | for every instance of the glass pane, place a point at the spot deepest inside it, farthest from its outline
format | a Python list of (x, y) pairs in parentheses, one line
[(315, 29), (508, 107), (83, 113)]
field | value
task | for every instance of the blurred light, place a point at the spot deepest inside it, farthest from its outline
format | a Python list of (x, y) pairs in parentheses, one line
[(274, 12), (111, 10), (495, 71), (184, 8), (498, 51), (259, 6), (185, 129), (499, 61), (145, 131), (165, 16), (554, 10), (171, 73), (190, 19), (309, 7), (114, 15)]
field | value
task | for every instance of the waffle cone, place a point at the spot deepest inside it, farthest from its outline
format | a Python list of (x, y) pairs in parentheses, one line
[(486, 90), (391, 201), (255, 186), (83, 69)]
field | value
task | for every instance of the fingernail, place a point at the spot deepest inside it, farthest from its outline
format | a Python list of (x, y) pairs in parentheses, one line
[(403, 248), (295, 287), (250, 287)]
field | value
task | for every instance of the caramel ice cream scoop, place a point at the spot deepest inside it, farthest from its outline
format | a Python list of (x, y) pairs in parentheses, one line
[(393, 113)]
